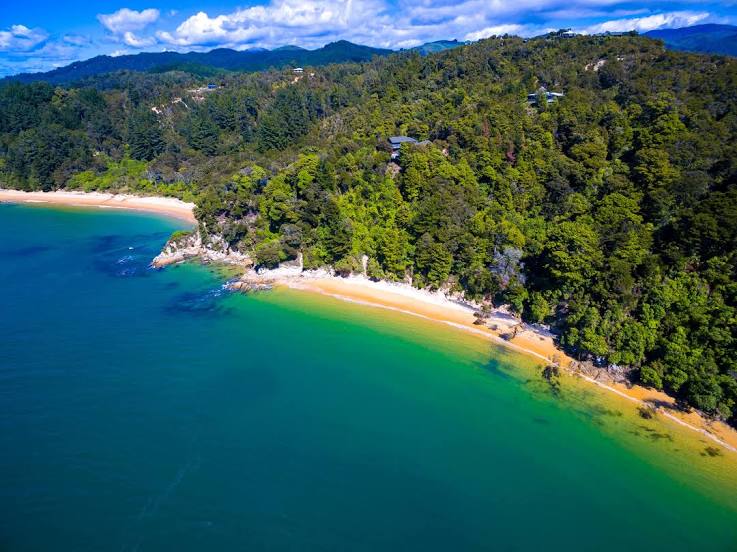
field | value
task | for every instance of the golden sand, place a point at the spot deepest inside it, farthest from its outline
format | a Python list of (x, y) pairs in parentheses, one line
[(162, 205)]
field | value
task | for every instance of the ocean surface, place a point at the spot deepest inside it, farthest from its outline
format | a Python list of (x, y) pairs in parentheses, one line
[(152, 410)]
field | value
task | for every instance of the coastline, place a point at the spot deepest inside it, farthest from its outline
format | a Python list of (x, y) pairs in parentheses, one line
[(529, 341), (534, 342), (160, 205)]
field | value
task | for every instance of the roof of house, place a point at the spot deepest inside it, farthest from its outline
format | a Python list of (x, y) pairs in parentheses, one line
[(401, 139), (549, 95)]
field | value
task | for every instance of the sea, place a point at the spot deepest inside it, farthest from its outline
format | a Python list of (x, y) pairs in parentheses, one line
[(146, 409)]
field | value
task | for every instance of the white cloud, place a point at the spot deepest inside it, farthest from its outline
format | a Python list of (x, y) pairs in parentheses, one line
[(281, 21), (649, 23), (126, 20), (498, 30), (23, 49), (20, 38), (138, 42), (311, 23), (76, 40), (383, 23)]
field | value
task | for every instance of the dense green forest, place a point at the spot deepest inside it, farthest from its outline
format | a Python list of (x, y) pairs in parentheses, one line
[(610, 214)]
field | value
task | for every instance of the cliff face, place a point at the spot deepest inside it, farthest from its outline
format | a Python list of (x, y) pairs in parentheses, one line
[(189, 246)]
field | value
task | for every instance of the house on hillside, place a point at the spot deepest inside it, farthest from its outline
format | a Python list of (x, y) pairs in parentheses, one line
[(396, 143), (298, 70), (550, 97)]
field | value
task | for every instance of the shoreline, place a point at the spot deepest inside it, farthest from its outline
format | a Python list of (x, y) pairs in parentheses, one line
[(529, 341), (169, 206)]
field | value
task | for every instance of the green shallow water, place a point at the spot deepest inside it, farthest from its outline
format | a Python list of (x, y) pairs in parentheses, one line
[(146, 410)]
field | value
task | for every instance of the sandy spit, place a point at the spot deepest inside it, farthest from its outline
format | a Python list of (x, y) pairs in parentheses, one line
[(162, 205)]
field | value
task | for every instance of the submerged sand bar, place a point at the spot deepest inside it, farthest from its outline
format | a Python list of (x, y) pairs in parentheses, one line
[(162, 205), (531, 341)]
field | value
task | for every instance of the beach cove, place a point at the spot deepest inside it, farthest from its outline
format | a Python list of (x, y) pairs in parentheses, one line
[(382, 421), (534, 342)]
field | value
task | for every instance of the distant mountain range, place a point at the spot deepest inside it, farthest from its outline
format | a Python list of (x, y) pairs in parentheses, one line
[(221, 59), (206, 63), (707, 39)]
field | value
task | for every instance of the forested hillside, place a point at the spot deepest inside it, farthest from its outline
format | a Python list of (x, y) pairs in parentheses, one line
[(610, 213)]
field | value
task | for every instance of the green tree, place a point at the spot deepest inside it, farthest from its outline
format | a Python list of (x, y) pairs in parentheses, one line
[(144, 135)]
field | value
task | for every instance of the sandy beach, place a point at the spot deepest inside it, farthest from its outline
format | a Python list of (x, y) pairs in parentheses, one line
[(161, 205), (535, 342)]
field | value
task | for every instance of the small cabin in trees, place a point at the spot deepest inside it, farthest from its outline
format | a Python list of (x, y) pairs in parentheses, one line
[(550, 97), (396, 142)]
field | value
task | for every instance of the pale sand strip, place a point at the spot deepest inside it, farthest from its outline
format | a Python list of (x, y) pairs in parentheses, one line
[(532, 342), (162, 205)]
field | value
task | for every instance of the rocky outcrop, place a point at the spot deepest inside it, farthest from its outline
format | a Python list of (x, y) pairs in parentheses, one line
[(178, 249), (217, 250), (263, 278), (185, 246)]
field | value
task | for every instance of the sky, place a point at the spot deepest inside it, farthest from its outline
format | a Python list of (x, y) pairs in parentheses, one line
[(40, 35)]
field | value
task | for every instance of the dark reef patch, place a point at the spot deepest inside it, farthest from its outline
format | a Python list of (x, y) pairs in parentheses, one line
[(495, 369), (208, 303), (712, 452), (654, 434), (126, 256)]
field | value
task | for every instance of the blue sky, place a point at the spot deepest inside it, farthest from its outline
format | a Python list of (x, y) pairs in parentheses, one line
[(41, 35)]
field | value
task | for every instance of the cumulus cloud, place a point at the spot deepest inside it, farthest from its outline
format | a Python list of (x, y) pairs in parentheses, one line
[(125, 24), (20, 38), (497, 30), (402, 24), (278, 22), (76, 40), (138, 42), (649, 23), (24, 49), (375, 22), (125, 20)]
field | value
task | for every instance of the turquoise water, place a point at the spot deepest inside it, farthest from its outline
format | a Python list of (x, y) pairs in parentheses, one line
[(151, 410)]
